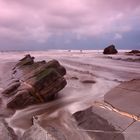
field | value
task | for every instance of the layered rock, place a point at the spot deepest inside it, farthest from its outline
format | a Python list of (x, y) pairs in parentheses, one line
[(34, 82), (110, 50)]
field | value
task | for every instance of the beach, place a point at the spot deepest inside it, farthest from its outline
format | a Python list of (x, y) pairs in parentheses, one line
[(90, 77)]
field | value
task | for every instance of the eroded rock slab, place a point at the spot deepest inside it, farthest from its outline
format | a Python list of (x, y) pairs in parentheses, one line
[(36, 133), (58, 126), (102, 124), (6, 133), (34, 82), (133, 132), (125, 97)]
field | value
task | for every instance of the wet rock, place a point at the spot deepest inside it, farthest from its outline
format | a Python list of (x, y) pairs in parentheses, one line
[(125, 97), (27, 60), (10, 90), (95, 123), (55, 64), (110, 50), (134, 52), (36, 132), (88, 81), (74, 78), (21, 99), (34, 82), (6, 133), (13, 81)]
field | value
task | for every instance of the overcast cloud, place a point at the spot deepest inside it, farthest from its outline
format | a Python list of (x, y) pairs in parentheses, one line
[(39, 20)]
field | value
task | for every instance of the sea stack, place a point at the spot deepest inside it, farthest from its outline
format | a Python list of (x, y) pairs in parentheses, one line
[(110, 50)]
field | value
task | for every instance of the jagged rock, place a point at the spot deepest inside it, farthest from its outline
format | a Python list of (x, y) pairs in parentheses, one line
[(110, 50), (27, 60), (6, 133), (34, 82)]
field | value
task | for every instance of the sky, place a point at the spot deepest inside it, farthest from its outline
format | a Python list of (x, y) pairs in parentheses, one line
[(69, 24)]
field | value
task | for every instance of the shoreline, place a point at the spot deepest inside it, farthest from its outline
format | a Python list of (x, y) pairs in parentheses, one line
[(77, 95)]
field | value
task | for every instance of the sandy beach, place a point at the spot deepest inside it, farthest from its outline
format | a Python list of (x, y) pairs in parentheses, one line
[(91, 78)]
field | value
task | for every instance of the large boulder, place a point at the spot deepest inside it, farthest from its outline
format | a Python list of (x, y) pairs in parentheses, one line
[(34, 82), (110, 50)]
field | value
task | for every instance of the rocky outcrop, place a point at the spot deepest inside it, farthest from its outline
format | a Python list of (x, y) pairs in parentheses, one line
[(34, 82), (110, 50), (134, 52), (6, 133)]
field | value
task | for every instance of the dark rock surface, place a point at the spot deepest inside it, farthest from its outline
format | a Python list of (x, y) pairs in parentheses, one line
[(88, 81), (34, 82), (134, 51), (110, 50)]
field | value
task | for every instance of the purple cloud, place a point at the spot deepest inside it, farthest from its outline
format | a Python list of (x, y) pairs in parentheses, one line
[(38, 20)]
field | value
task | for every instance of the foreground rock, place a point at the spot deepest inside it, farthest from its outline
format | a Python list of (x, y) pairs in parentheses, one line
[(6, 133), (110, 50), (37, 133), (126, 97), (101, 124), (34, 82), (60, 126)]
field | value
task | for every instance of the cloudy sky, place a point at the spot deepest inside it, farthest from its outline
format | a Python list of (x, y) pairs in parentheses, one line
[(69, 24)]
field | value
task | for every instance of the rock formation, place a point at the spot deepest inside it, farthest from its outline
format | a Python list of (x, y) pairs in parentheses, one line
[(6, 133), (125, 97), (110, 50), (34, 82), (134, 52), (97, 124)]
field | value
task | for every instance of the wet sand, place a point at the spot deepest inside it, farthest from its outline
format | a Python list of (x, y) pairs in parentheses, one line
[(107, 73)]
